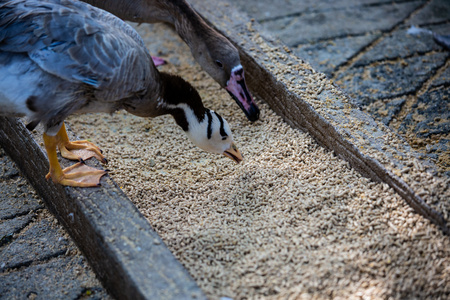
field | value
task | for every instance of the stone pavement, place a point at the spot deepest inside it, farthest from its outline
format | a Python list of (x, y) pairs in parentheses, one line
[(38, 260), (362, 45), (400, 79)]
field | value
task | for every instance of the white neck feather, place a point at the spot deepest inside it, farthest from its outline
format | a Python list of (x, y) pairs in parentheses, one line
[(207, 133)]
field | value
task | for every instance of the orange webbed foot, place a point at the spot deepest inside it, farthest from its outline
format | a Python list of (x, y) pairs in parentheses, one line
[(79, 175), (77, 150), (81, 150)]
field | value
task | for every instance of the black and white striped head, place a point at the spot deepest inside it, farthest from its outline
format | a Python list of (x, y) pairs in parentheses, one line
[(204, 127), (212, 134)]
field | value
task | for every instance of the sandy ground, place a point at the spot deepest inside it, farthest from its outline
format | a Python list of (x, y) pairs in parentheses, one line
[(292, 221)]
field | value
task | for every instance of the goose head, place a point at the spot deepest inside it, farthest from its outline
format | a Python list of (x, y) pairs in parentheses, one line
[(220, 59), (212, 134), (204, 127)]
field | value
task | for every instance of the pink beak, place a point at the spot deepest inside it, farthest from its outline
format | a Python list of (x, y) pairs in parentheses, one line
[(237, 88)]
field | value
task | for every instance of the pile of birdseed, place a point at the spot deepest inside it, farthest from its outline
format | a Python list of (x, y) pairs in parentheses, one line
[(292, 221)]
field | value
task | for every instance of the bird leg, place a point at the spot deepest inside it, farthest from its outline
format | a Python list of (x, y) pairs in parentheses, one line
[(77, 175), (77, 150)]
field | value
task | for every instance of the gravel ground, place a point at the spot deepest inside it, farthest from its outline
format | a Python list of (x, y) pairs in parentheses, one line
[(292, 221)]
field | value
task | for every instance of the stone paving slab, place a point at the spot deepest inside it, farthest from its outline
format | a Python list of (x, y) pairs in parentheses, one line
[(64, 277), (442, 79), (12, 226), (37, 258), (324, 25), (436, 11), (39, 242), (15, 199), (7, 169), (268, 10), (327, 56), (400, 44), (389, 79), (433, 105)]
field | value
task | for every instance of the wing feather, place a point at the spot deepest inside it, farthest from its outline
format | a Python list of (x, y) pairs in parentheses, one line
[(78, 43)]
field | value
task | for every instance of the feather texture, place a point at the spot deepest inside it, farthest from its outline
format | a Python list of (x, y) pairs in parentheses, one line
[(72, 57), (78, 43)]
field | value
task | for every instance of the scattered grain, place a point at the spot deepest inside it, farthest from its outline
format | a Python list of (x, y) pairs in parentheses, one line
[(291, 222)]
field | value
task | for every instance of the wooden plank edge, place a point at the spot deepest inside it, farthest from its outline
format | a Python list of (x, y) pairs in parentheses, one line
[(124, 251), (268, 65)]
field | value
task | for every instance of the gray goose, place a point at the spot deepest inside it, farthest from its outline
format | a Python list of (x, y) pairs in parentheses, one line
[(59, 57), (217, 56)]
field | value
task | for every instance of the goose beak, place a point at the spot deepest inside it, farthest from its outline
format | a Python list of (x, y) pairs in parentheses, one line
[(237, 88), (233, 153)]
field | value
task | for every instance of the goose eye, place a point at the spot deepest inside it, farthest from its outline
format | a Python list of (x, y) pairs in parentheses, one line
[(219, 64)]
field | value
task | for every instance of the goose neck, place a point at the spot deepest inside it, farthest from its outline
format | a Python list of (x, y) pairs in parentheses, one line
[(181, 100)]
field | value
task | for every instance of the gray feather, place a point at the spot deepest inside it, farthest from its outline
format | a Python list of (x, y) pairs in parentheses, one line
[(72, 57), (76, 42)]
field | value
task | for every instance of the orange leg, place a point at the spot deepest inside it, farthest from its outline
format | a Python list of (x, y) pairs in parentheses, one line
[(77, 175), (77, 150)]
